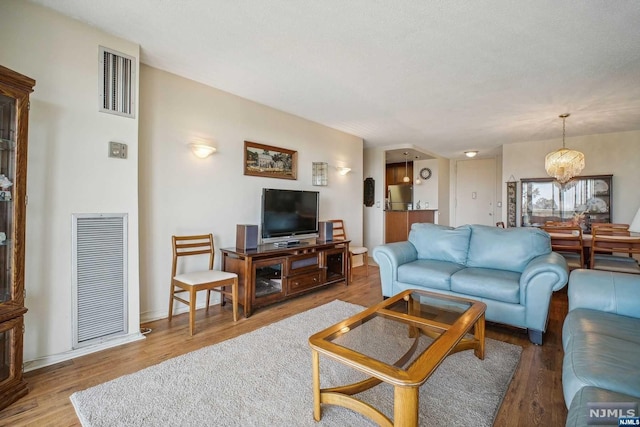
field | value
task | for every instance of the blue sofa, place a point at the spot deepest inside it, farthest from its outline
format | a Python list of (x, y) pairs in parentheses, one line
[(511, 270), (601, 341)]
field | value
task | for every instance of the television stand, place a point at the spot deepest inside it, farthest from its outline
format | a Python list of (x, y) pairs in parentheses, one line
[(273, 273)]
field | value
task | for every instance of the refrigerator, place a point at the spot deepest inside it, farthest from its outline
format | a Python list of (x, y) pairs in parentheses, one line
[(400, 196)]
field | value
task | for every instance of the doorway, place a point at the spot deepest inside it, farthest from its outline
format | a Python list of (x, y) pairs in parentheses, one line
[(476, 192)]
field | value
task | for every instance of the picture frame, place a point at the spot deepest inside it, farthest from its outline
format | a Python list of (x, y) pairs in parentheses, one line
[(270, 161), (511, 203)]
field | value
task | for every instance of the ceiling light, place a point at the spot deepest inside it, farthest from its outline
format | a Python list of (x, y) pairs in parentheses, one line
[(202, 150), (406, 169), (564, 164), (470, 153)]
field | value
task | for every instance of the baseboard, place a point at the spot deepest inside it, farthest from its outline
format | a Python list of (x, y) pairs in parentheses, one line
[(41, 362), (150, 316)]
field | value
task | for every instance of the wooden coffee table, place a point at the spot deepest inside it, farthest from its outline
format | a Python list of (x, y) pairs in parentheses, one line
[(400, 341)]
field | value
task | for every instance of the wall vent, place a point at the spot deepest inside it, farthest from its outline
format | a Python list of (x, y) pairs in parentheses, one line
[(117, 83), (99, 246)]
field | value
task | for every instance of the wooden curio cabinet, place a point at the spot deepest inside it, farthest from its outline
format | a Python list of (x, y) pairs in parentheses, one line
[(14, 113)]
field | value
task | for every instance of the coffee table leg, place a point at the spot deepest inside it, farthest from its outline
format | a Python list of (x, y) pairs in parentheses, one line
[(405, 407), (479, 336), (315, 362)]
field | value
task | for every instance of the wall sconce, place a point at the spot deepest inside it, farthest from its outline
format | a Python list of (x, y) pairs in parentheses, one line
[(202, 151), (470, 153), (342, 170)]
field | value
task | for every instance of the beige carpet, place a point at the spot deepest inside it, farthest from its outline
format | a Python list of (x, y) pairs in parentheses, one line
[(263, 378)]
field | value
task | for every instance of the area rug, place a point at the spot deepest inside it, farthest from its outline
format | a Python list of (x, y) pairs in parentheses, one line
[(263, 378)]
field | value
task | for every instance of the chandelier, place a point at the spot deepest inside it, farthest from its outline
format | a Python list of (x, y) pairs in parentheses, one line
[(564, 164)]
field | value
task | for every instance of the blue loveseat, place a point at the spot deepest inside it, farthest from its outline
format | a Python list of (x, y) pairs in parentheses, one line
[(601, 340), (511, 270)]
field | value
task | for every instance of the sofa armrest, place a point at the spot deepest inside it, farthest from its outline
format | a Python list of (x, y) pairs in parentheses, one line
[(389, 257), (607, 291), (543, 275), (552, 265)]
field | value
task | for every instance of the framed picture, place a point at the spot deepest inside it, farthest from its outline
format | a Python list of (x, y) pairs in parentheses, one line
[(270, 161), (511, 203)]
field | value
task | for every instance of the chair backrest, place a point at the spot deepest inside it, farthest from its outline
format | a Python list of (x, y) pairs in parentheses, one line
[(184, 246), (558, 224), (339, 233), (610, 231), (500, 224), (613, 244), (566, 238), (595, 225)]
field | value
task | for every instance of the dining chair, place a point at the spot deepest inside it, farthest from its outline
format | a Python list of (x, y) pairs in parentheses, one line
[(613, 250), (202, 279), (339, 233), (568, 242), (609, 225), (500, 224), (610, 229), (558, 224)]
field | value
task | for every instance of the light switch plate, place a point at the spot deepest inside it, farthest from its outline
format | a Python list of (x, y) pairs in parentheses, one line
[(117, 150)]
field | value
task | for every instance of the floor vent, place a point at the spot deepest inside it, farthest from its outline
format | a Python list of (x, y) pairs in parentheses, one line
[(117, 82), (99, 246)]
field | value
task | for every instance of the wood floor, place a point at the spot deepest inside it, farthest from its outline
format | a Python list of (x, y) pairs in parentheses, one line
[(534, 397)]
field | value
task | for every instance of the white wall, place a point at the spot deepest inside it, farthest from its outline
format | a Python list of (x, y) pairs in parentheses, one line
[(374, 166), (427, 190), (181, 194), (611, 153), (444, 197), (68, 168)]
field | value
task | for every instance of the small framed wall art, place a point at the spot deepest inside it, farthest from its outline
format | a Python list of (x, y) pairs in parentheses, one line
[(269, 161)]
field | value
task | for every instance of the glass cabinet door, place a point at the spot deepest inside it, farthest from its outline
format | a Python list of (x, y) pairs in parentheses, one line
[(7, 177), (14, 121), (582, 201)]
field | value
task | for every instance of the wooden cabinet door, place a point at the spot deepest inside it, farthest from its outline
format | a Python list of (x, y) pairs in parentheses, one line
[(396, 228)]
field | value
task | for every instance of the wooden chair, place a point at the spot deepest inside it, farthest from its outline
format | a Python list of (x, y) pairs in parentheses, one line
[(613, 249), (194, 281), (610, 229), (567, 241), (339, 233), (500, 224), (609, 225)]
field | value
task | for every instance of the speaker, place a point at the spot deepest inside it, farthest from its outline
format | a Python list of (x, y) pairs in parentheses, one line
[(246, 236), (325, 231)]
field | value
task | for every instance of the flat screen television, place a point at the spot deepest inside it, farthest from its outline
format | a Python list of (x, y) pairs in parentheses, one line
[(289, 213)]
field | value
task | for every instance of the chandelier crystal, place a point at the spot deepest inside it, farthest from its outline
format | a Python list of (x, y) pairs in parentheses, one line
[(564, 164)]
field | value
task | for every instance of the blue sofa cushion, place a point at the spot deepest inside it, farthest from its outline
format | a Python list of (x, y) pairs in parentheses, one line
[(578, 415), (508, 249), (583, 320), (428, 273), (440, 243), (498, 285), (601, 361)]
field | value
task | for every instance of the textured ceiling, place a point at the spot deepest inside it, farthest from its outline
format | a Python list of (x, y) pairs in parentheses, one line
[(439, 76)]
